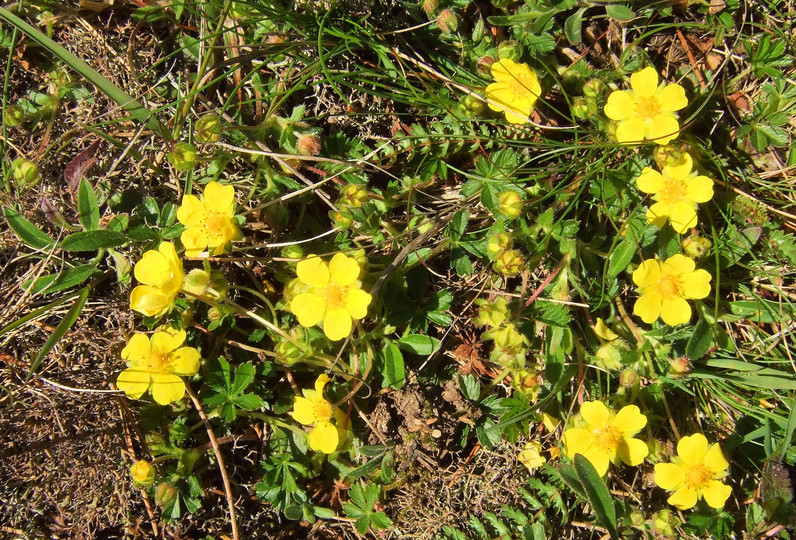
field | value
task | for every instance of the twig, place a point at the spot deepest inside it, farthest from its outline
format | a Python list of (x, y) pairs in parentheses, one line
[(217, 451)]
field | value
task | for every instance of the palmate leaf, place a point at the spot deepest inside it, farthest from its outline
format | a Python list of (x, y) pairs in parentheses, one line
[(229, 391)]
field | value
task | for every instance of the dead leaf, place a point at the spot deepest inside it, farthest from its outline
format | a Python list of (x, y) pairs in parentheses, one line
[(76, 169)]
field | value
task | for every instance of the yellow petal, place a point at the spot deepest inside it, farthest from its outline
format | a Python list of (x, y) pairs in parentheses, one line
[(503, 70), (313, 271), (620, 105), (716, 493), (185, 361), (692, 449), (696, 284), (632, 451), (603, 332), (682, 216), (577, 441), (337, 324), (648, 306), (550, 422), (220, 198), (497, 95), (650, 181), (672, 98), (169, 253), (309, 308), (195, 241), (192, 212), (303, 411), (134, 382), (320, 384), (631, 131), (152, 269), (343, 270), (715, 461), (629, 420), (675, 310), (678, 265), (150, 301), (663, 128), (324, 438), (647, 274), (658, 214), (680, 170), (683, 499), (168, 340), (669, 476), (645, 82), (596, 414), (598, 458), (137, 349), (167, 387), (357, 302), (700, 189)]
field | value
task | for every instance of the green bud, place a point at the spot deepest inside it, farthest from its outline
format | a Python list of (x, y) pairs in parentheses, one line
[(637, 518), (608, 357), (696, 246), (484, 66), (309, 145), (447, 21), (664, 522), (509, 263), (499, 242), (629, 378), (430, 7), (293, 251), (208, 128), (14, 116), (289, 353), (671, 155), (491, 314), (510, 204), (342, 219), (583, 107), (165, 495), (593, 88), (143, 473), (471, 105), (183, 158), (527, 383), (353, 196), (510, 50), (24, 173), (679, 367)]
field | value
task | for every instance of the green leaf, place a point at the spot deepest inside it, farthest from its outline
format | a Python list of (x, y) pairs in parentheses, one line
[(244, 375), (357, 495), (470, 387), (458, 225), (700, 341), (572, 26), (323, 513), (597, 494), (63, 280), (379, 520), (60, 331), (248, 402), (87, 206), (93, 240), (393, 374), (27, 231), (619, 12), (570, 477), (418, 344), (620, 257), (366, 468)]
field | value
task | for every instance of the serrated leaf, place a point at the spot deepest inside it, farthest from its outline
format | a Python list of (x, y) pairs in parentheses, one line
[(27, 231), (701, 341), (244, 375), (469, 386), (248, 402), (88, 211), (93, 240), (458, 225)]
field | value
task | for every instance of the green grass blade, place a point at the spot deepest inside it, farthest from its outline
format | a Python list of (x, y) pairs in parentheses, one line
[(125, 100)]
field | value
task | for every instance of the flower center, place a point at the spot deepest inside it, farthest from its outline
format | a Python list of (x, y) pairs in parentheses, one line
[(670, 286), (697, 477), (214, 226), (674, 190), (323, 410), (520, 85), (157, 360), (647, 107), (336, 295), (607, 438)]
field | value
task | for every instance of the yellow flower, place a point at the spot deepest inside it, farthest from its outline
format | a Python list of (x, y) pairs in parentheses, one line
[(209, 220), (162, 277), (676, 192), (666, 286), (647, 111), (604, 436), (143, 473), (695, 473), (515, 91), (531, 456), (603, 331), (314, 410), (156, 364), (334, 295)]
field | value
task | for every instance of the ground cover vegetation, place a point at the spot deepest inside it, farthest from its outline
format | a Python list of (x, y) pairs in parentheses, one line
[(444, 269)]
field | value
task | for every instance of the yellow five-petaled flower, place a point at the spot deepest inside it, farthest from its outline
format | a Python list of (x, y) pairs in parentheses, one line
[(666, 286), (602, 436), (515, 90), (157, 364), (160, 272), (210, 220), (677, 190), (312, 409), (647, 111), (695, 473), (334, 295)]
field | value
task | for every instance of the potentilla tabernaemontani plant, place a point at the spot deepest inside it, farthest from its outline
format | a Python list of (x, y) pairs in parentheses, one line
[(647, 111), (695, 473), (603, 436), (334, 295), (676, 191), (158, 364), (311, 409), (160, 272), (209, 221), (515, 90), (665, 287)]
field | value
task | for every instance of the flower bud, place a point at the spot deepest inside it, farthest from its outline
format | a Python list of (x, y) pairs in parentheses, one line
[(293, 252), (679, 367), (583, 108), (309, 145), (484, 66), (593, 88), (471, 105), (430, 7), (447, 21), (670, 155), (289, 353), (341, 220), (608, 357), (14, 116), (24, 173), (696, 246), (353, 196), (527, 383), (143, 473), (637, 519), (491, 314), (664, 521), (165, 495), (510, 50), (509, 263), (510, 204), (208, 128), (628, 378), (183, 158), (499, 242)]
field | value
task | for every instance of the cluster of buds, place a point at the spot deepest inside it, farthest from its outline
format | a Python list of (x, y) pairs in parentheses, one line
[(506, 260), (585, 106), (351, 197)]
